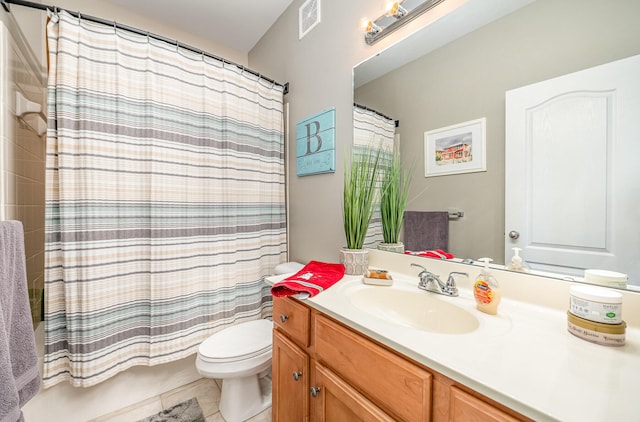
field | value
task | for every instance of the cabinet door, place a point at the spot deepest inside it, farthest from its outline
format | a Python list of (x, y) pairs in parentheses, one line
[(396, 385), (335, 400), (290, 383), (466, 408)]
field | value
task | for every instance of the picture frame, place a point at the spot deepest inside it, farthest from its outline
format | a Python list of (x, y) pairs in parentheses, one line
[(456, 149), (316, 143)]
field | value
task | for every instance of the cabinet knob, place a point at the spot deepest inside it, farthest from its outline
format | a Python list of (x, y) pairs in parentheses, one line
[(283, 318), (314, 391), (297, 375), (513, 234)]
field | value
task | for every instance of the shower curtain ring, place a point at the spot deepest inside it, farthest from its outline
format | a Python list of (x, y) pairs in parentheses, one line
[(53, 12), (115, 27)]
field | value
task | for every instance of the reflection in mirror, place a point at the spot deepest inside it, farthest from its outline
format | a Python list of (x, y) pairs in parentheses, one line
[(467, 78)]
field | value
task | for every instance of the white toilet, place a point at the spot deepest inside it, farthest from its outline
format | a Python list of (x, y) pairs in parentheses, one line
[(239, 355)]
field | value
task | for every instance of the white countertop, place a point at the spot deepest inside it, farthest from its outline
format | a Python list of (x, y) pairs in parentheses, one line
[(524, 357)]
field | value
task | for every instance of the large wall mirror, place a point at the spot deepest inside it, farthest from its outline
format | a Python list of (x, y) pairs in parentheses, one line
[(442, 76)]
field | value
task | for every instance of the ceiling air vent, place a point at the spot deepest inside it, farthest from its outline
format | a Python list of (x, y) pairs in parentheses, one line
[(309, 17)]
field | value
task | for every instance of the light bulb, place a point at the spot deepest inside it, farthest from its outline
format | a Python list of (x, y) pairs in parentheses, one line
[(372, 28), (396, 10)]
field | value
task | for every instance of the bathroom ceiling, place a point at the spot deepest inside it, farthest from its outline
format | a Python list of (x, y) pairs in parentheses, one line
[(238, 24)]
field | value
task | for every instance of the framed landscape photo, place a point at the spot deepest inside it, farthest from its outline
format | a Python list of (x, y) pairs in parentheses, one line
[(456, 149)]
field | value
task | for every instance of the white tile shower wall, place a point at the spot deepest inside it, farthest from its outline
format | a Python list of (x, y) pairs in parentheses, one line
[(4, 120), (22, 154)]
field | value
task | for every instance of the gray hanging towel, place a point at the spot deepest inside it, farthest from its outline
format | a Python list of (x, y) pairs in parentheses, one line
[(19, 376), (426, 230)]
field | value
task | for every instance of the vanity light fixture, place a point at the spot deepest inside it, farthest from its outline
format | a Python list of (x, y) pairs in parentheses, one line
[(397, 14)]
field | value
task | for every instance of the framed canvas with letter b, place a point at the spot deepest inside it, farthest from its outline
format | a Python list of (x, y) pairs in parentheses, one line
[(316, 143)]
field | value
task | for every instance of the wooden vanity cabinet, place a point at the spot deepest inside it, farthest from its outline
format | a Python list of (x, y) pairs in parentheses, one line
[(326, 371)]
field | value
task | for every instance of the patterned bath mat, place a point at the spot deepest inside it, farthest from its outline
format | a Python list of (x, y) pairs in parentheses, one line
[(188, 411)]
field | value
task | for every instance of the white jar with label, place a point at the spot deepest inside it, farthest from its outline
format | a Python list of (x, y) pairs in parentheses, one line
[(596, 304)]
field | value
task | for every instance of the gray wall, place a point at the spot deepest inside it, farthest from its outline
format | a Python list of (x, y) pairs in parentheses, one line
[(462, 81), (319, 69)]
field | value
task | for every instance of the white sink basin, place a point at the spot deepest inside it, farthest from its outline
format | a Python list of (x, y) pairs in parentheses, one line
[(414, 309)]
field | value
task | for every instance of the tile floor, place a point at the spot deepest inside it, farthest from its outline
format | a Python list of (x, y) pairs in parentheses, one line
[(206, 390)]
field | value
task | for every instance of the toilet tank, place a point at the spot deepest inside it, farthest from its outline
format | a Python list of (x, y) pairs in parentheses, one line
[(288, 267)]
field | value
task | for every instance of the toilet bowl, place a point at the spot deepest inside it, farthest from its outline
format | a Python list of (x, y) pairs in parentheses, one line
[(239, 355)]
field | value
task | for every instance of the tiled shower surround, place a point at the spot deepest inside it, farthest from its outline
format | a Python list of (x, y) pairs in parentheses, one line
[(22, 155)]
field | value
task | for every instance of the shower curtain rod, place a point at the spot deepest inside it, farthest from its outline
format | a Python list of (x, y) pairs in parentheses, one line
[(6, 3), (396, 122)]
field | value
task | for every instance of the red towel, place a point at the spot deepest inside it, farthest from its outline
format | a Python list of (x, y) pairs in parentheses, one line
[(312, 278), (435, 253)]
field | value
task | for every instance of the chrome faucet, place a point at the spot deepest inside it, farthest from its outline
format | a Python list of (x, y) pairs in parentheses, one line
[(432, 283)]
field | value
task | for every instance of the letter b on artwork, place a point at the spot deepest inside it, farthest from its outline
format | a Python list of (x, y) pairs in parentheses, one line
[(313, 133)]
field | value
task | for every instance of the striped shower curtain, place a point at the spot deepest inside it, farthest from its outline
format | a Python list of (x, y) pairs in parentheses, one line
[(165, 200), (371, 129)]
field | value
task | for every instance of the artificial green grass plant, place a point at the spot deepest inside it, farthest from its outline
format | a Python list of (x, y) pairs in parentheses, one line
[(360, 194), (393, 199)]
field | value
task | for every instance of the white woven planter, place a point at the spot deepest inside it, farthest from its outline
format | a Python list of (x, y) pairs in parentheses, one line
[(355, 261), (391, 247)]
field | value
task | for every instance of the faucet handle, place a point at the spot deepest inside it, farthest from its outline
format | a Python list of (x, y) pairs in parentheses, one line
[(424, 273), (419, 266), (451, 280)]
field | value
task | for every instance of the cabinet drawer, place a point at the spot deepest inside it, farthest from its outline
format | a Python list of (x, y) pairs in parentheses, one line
[(400, 388), (292, 318), (464, 407)]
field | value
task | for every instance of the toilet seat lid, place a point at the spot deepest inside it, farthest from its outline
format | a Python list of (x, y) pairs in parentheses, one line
[(240, 341)]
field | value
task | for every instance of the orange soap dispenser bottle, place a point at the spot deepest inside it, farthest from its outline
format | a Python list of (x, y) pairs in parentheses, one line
[(486, 290)]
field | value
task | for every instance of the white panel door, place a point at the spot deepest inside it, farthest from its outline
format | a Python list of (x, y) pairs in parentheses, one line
[(572, 171)]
